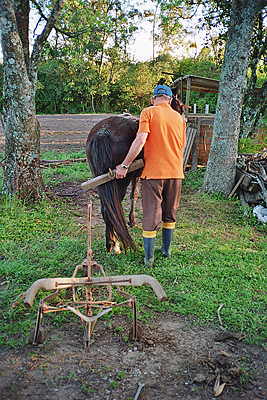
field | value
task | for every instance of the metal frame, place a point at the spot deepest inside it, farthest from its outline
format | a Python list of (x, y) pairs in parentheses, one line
[(92, 308)]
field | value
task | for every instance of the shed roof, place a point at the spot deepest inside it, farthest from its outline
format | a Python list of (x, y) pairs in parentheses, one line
[(197, 83), (200, 84)]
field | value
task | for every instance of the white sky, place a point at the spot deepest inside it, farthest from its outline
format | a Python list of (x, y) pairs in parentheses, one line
[(141, 48)]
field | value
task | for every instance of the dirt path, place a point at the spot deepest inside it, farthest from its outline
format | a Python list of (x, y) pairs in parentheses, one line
[(176, 358)]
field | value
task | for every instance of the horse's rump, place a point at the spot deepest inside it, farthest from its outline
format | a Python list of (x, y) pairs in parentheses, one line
[(109, 141)]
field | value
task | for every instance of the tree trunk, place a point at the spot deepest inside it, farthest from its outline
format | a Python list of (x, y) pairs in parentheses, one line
[(22, 174), (221, 167), (22, 133)]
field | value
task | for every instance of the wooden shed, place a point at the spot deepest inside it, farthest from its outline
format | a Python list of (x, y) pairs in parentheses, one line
[(203, 123)]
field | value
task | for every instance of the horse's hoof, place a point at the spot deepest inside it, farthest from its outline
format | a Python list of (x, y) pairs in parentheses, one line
[(115, 249), (131, 224)]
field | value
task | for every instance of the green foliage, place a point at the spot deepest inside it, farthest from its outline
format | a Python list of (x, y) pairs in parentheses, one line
[(49, 94), (133, 88), (172, 31), (113, 384), (75, 74), (66, 87), (74, 85), (87, 389), (121, 374)]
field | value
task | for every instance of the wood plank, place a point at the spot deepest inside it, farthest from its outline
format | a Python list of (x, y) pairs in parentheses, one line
[(236, 186), (190, 136), (195, 147)]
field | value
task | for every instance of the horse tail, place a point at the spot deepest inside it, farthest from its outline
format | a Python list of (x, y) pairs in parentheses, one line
[(111, 201), (99, 154)]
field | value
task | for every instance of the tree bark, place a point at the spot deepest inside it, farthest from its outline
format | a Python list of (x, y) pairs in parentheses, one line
[(221, 167), (22, 174)]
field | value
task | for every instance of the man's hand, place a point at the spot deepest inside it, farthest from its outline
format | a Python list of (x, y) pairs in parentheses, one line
[(120, 172)]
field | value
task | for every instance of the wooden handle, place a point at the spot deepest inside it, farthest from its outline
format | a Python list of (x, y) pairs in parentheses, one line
[(110, 176)]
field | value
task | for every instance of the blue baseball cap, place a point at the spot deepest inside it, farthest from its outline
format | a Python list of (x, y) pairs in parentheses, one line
[(162, 89)]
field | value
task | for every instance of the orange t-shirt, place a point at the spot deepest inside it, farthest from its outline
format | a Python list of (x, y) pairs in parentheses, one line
[(163, 150)]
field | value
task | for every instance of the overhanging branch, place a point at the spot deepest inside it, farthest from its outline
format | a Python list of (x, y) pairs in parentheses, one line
[(41, 39), (57, 29)]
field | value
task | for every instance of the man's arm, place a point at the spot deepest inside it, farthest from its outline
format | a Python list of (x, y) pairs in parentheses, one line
[(133, 152)]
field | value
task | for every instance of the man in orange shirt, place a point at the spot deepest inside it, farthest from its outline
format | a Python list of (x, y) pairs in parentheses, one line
[(162, 134)]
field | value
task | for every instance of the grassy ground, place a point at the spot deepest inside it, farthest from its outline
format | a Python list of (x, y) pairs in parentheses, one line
[(218, 259), (253, 145), (77, 172)]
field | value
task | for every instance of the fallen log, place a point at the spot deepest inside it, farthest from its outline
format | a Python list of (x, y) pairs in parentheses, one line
[(57, 163)]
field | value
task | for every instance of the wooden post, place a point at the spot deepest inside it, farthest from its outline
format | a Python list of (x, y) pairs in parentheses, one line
[(196, 146), (188, 87)]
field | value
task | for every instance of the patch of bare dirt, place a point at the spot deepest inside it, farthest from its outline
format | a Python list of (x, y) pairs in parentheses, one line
[(63, 132), (176, 358), (66, 132)]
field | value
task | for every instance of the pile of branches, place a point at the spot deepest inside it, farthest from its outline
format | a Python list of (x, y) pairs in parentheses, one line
[(251, 178)]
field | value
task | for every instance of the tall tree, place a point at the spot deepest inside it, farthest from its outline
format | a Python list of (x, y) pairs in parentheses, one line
[(22, 131), (216, 17), (168, 19), (96, 54), (221, 167)]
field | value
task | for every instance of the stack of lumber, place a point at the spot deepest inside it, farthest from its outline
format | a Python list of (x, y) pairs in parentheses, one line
[(251, 178)]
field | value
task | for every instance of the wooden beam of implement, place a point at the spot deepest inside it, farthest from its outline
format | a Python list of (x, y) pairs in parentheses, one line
[(110, 176)]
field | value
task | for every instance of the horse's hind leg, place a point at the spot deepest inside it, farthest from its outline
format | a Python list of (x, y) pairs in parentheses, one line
[(112, 245), (133, 196)]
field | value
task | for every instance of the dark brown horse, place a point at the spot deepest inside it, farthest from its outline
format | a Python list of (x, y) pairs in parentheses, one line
[(107, 145)]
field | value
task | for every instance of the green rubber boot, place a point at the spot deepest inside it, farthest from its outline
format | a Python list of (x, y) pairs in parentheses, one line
[(149, 247), (167, 235)]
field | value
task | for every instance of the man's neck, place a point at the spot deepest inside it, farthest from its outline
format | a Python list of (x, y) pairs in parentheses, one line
[(161, 100)]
